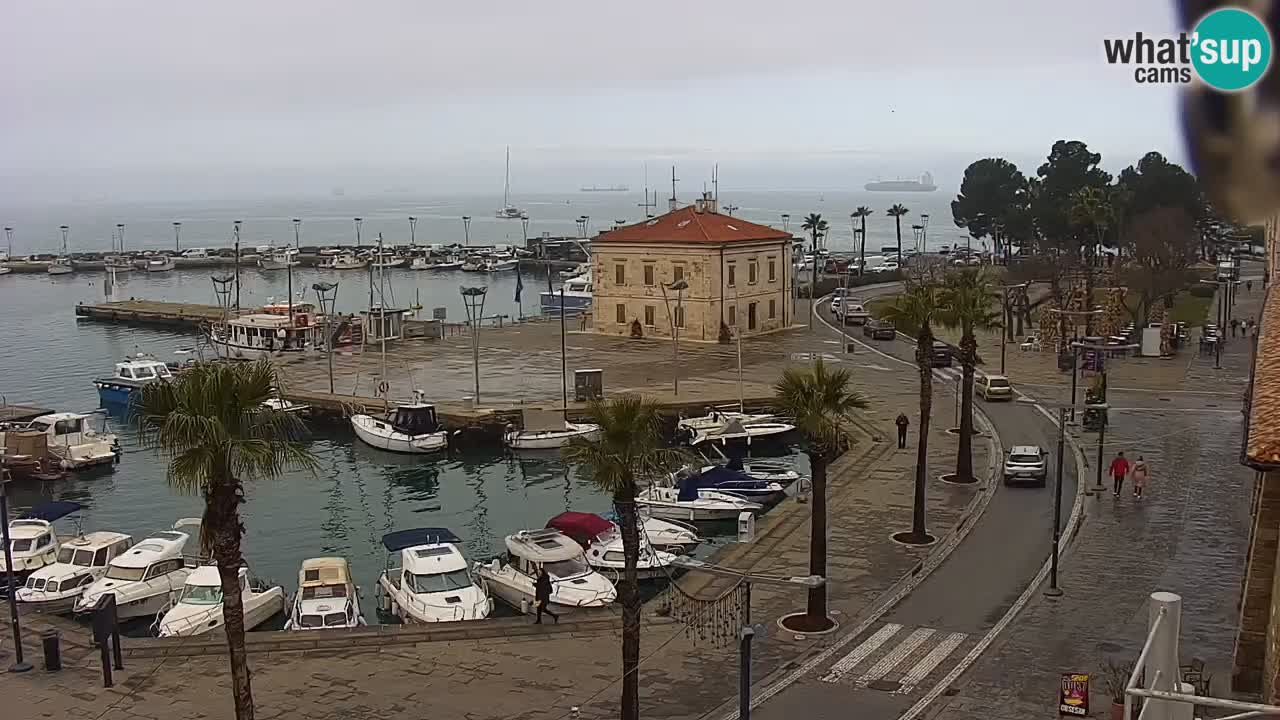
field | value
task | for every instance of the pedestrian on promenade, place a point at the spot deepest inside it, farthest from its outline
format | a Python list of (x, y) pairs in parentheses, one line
[(902, 422), (542, 593), (1119, 468), (1248, 286), (1140, 476), (1234, 323)]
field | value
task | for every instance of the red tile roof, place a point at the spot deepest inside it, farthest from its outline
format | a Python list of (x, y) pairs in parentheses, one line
[(686, 225), (1262, 445)]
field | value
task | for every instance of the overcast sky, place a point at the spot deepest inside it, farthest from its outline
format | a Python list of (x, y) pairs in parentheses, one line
[(164, 97)]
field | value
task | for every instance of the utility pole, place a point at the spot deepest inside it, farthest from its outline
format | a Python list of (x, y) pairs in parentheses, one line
[(1053, 590), (19, 665)]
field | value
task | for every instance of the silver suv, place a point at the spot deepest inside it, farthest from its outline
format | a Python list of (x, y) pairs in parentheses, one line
[(1026, 463)]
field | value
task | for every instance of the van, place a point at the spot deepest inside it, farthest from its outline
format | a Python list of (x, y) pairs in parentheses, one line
[(195, 253), (940, 356)]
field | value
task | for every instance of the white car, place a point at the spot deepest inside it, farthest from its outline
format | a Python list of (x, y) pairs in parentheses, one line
[(993, 387), (887, 267), (1026, 463)]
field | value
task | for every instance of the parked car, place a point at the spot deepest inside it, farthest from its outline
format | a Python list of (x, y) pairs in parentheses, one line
[(1026, 463), (853, 313), (993, 387), (887, 267), (879, 329), (941, 355)]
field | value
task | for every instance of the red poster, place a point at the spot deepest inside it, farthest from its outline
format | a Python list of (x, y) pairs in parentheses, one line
[(1073, 698)]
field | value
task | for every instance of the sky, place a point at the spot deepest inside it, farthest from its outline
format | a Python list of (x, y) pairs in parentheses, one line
[(153, 99)]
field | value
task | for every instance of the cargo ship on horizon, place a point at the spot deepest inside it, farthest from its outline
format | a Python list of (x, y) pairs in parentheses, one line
[(604, 188), (924, 184)]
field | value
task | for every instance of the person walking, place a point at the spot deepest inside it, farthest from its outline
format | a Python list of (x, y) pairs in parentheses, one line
[(902, 422), (1234, 323), (1140, 476), (1248, 286), (1119, 468), (542, 593)]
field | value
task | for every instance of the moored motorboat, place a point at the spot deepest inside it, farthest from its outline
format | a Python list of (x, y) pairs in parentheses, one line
[(771, 470), (134, 373), (575, 296), (71, 440), (546, 430), (602, 542), (688, 502), (147, 577), (717, 419), (723, 479), (326, 597), (736, 430), (61, 265), (198, 609), (33, 540), (81, 561), (411, 428), (387, 260), (671, 536), (160, 263), (118, 264), (574, 585), (341, 260), (428, 579)]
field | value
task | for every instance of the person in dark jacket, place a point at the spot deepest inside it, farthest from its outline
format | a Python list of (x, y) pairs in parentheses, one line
[(902, 422), (542, 593)]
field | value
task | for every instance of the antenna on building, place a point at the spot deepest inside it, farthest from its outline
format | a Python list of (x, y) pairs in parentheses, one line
[(715, 182), (648, 206), (673, 202)]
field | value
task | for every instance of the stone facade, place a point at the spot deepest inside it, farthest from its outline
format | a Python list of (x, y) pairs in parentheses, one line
[(1257, 655)]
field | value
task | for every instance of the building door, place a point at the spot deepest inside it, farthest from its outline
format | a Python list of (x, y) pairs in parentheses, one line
[(751, 316)]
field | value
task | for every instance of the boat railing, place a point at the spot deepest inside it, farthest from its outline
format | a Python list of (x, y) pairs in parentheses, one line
[(187, 624), (454, 611)]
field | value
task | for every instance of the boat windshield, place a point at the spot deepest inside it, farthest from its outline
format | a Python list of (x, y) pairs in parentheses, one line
[(201, 594), (439, 582), (21, 544), (71, 556), (572, 567), (324, 591), (333, 619), (127, 574)]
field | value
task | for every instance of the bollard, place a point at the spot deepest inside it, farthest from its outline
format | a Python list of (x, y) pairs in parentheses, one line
[(52, 650)]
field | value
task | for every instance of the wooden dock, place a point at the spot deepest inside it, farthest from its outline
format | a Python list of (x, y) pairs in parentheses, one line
[(20, 413), (156, 313)]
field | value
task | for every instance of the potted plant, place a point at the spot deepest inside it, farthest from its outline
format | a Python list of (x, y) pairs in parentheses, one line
[(1116, 677)]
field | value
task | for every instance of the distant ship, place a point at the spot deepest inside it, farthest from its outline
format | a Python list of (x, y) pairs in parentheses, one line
[(605, 188), (924, 184)]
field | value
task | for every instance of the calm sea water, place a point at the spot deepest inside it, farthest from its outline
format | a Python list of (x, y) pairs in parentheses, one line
[(358, 493)]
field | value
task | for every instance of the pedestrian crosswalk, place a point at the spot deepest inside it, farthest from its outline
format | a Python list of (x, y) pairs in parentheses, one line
[(895, 658)]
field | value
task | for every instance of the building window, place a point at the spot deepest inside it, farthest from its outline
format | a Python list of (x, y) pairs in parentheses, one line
[(679, 316), (773, 270), (622, 314), (753, 272), (620, 274), (773, 309), (648, 275), (677, 273), (733, 275), (648, 315), (751, 316), (733, 315)]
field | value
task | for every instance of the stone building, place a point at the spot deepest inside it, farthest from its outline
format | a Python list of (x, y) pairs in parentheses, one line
[(738, 273)]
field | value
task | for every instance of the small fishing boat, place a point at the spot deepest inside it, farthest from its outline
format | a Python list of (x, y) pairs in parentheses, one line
[(387, 260), (71, 440), (546, 430), (777, 471), (279, 259), (199, 606), (61, 265), (267, 334), (602, 542), (119, 264), (160, 263), (33, 541), (736, 430), (688, 502), (131, 375), (81, 561), (411, 428), (715, 419), (432, 263), (576, 296), (326, 598), (578, 271), (494, 264), (428, 580), (147, 577), (342, 260), (574, 585), (722, 479), (671, 536)]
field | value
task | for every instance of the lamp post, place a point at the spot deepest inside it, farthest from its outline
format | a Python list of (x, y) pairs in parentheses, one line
[(676, 321), (8, 236), (917, 232), (327, 294), (1098, 488), (413, 237), (288, 263), (473, 299), (358, 222), (466, 230), (177, 233), (19, 665), (924, 233), (1225, 289), (235, 230), (524, 229), (786, 222), (1063, 344), (120, 231)]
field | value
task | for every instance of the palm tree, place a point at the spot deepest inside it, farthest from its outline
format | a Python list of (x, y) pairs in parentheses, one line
[(630, 451), (967, 304), (817, 227), (862, 212), (896, 212), (821, 402), (211, 425), (916, 309)]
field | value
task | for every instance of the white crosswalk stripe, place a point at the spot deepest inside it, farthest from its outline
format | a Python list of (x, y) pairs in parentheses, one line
[(890, 660)]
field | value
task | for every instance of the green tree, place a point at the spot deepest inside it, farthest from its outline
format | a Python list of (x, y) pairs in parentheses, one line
[(1091, 207), (821, 402), (630, 451), (917, 307), (817, 228), (993, 189), (862, 213), (1069, 168), (1162, 243), (896, 212), (212, 426), (968, 304)]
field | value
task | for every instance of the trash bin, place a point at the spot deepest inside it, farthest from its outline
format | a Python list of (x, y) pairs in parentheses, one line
[(52, 650)]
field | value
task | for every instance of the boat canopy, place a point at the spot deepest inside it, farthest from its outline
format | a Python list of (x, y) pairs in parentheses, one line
[(582, 527), (416, 419), (543, 546), (401, 539), (51, 511), (688, 490), (322, 571)]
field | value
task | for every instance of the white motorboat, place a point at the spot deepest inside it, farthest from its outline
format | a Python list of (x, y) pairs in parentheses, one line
[(279, 259), (136, 372), (727, 480), (508, 211), (411, 428), (61, 265), (431, 263), (281, 405), (498, 265), (71, 440), (199, 606), (474, 264), (387, 260), (160, 263), (265, 335), (119, 264), (5, 270), (427, 579), (574, 296), (602, 541), (717, 419), (579, 271), (546, 430), (341, 260), (82, 560), (326, 598), (671, 536), (574, 585), (737, 430), (33, 541), (766, 470), (688, 502), (147, 578)]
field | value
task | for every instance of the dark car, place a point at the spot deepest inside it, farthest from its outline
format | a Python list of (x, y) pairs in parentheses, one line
[(879, 330), (940, 357)]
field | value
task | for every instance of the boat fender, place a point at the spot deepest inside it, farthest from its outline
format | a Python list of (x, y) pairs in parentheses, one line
[(524, 606), (383, 387)]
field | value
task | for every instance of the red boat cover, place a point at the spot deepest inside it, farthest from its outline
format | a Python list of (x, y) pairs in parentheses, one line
[(582, 527)]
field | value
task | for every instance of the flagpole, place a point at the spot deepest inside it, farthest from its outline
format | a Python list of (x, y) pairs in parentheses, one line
[(519, 288)]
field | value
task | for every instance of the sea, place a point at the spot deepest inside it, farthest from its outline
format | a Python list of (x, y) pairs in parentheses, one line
[(357, 494)]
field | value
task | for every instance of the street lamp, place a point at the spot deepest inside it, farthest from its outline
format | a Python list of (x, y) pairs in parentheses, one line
[(359, 222), (1226, 288), (918, 235), (413, 238), (473, 299), (235, 230), (327, 294), (786, 221), (177, 232), (120, 231), (924, 235), (524, 229), (8, 235), (288, 263), (466, 229), (679, 286), (1062, 344)]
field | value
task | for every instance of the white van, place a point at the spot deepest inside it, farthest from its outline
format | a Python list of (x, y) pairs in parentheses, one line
[(195, 253)]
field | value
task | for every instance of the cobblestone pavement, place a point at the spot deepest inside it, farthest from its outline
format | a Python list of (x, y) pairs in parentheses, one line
[(1188, 536), (542, 677)]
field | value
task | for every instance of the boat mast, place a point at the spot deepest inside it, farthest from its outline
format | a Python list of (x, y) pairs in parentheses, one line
[(564, 363), (382, 310), (506, 188), (288, 264)]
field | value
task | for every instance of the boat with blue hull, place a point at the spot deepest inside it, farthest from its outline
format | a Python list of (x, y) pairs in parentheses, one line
[(574, 296), (133, 374), (722, 479)]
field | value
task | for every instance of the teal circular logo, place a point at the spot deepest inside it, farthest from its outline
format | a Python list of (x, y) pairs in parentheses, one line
[(1231, 49)]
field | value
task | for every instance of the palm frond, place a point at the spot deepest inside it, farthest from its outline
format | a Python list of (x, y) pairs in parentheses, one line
[(630, 450), (820, 401)]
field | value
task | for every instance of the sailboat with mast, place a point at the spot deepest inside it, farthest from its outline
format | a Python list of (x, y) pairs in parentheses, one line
[(509, 211), (412, 427)]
